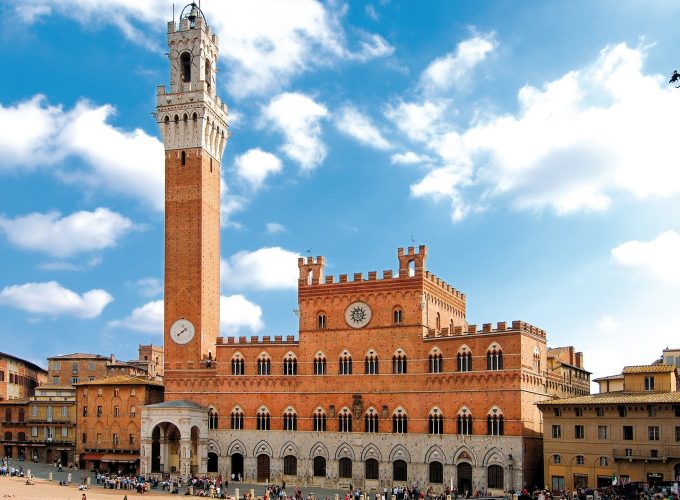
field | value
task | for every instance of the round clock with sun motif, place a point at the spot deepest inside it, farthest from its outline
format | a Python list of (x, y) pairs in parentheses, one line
[(358, 314)]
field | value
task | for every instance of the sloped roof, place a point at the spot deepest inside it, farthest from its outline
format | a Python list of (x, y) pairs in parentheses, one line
[(20, 360), (120, 380), (649, 368), (80, 355), (616, 398)]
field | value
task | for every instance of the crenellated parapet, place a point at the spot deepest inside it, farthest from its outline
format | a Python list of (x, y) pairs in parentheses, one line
[(488, 328), (255, 339)]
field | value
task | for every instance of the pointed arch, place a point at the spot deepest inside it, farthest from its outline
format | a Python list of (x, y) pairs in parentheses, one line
[(494, 456), (399, 452), (289, 448), (237, 446), (344, 451), (464, 454), (263, 447), (319, 450), (435, 454), (371, 451)]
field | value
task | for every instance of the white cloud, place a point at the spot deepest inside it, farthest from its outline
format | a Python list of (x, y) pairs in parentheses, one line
[(297, 117), (574, 144), (59, 236), (275, 228), (62, 265), (659, 257), (237, 312), (409, 158), (419, 121), (128, 163), (147, 318), (229, 205), (607, 323), (455, 68), (270, 268), (265, 42), (358, 126), (53, 299), (149, 287), (255, 165)]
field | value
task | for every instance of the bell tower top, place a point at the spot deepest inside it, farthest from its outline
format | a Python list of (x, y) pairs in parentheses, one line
[(191, 114)]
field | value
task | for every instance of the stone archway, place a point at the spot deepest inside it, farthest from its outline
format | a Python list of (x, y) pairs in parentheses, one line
[(165, 448)]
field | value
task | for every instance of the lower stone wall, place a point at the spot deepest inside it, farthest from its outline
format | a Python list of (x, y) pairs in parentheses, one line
[(417, 450)]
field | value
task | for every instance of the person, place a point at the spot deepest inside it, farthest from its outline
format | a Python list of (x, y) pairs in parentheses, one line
[(674, 77), (84, 497)]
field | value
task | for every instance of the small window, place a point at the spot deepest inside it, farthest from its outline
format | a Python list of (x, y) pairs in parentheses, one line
[(599, 411), (579, 432), (184, 158), (397, 316), (578, 412), (556, 431), (649, 383), (116, 392), (604, 461), (623, 411), (84, 437), (580, 460), (557, 459), (677, 434), (602, 432), (653, 432), (185, 66), (651, 411), (653, 453), (321, 321), (628, 432), (558, 412)]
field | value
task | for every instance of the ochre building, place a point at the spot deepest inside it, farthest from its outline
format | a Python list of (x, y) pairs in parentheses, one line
[(385, 383), (629, 433), (19, 377)]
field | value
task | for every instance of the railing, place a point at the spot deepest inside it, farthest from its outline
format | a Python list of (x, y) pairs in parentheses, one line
[(660, 453)]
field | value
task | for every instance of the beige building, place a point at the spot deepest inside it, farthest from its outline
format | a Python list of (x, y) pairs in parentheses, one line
[(51, 424), (630, 431)]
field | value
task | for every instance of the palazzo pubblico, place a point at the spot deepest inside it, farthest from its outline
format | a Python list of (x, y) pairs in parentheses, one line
[(386, 382)]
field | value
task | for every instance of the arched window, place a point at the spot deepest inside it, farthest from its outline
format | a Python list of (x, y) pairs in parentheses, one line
[(537, 360), (372, 469), (345, 367), (290, 465), (397, 316), (237, 365), (319, 420), (264, 364), (399, 470), (399, 422), (290, 364), (8, 435), (345, 468), (464, 422), (399, 362), (494, 358), (495, 477), (208, 74), (464, 358), (371, 421), (21, 436), (185, 66), (451, 327), (320, 364), (438, 322), (436, 473), (319, 467), (184, 158), (237, 419), (263, 420), (290, 420), (345, 421), (436, 422), (321, 320), (371, 363), (435, 361), (212, 419), (494, 423)]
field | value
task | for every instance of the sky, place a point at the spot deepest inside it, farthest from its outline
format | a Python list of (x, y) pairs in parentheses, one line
[(532, 146)]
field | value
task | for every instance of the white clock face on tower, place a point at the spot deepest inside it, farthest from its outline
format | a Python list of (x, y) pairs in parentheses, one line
[(358, 314), (182, 331)]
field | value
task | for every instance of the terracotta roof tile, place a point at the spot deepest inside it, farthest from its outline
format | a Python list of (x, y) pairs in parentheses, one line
[(121, 380), (616, 398), (649, 368)]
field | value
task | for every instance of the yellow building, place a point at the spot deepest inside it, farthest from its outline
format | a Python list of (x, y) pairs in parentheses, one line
[(51, 423), (629, 434)]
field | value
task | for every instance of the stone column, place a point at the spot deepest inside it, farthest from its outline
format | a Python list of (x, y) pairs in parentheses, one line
[(145, 457), (202, 459), (185, 457)]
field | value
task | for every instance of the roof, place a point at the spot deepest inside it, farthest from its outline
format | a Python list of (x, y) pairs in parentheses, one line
[(616, 398), (54, 387), (610, 377), (81, 355), (177, 404), (649, 369), (120, 380), (27, 363), (21, 401)]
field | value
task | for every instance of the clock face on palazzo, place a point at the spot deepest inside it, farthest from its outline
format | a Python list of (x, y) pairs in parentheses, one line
[(358, 314), (182, 331)]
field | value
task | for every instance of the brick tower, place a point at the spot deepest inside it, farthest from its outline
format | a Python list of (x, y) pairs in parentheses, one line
[(193, 123)]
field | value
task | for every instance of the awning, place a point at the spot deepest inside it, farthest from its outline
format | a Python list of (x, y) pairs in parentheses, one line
[(93, 456), (128, 458)]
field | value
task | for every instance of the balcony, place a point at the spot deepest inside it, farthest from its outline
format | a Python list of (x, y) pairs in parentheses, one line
[(663, 453)]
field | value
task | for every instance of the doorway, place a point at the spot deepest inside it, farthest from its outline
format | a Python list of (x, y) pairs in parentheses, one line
[(262, 468), (237, 466), (464, 478), (212, 462)]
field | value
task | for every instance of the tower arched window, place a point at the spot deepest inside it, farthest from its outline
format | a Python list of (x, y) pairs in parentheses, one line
[(436, 422), (290, 420), (537, 360), (319, 418), (371, 421), (345, 364), (371, 363), (237, 365), (397, 316), (321, 321), (494, 359), (438, 322), (263, 420), (264, 365), (345, 421), (212, 419), (290, 365), (237, 419), (184, 158), (400, 422), (494, 423), (185, 66), (319, 364), (435, 361), (399, 362), (208, 74), (464, 422)]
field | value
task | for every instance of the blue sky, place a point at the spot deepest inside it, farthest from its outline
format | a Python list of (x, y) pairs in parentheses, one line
[(532, 146)]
